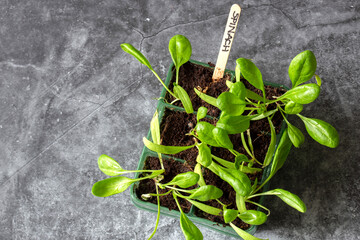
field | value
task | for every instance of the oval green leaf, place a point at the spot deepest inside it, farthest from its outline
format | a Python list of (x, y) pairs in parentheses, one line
[(205, 134), (251, 73), (233, 124), (222, 138), (303, 94), (204, 156), (293, 107), (201, 113), (230, 215), (109, 166), (206, 193), (164, 149), (184, 98), (111, 186), (238, 180), (281, 153), (253, 217), (230, 104), (289, 198), (239, 90), (206, 208), (302, 67), (190, 231), (136, 53), (180, 50), (321, 131), (295, 135), (184, 180)]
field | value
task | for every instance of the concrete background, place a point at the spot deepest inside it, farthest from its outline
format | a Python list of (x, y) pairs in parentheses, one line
[(68, 93)]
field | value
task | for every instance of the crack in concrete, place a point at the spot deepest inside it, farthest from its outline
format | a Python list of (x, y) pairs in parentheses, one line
[(15, 65), (298, 26)]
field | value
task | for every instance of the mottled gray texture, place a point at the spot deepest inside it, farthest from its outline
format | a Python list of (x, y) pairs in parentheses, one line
[(69, 93)]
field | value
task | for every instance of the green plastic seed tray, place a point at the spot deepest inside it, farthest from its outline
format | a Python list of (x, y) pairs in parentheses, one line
[(162, 105)]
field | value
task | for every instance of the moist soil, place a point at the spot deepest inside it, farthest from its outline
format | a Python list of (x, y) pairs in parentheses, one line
[(195, 76), (172, 168), (176, 124)]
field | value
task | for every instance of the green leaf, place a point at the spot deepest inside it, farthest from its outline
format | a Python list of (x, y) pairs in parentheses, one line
[(293, 107), (205, 134), (165, 149), (250, 94), (206, 208), (318, 80), (229, 83), (109, 166), (251, 73), (222, 138), (295, 135), (272, 145), (243, 234), (190, 231), (281, 153), (111, 186), (238, 180), (237, 73), (198, 170), (201, 113), (246, 169), (223, 162), (233, 124), (210, 100), (253, 217), (263, 115), (205, 193), (230, 215), (321, 131), (184, 180), (155, 128), (289, 198), (136, 53), (180, 50), (230, 104), (303, 94), (204, 156), (302, 67), (239, 90), (184, 98)]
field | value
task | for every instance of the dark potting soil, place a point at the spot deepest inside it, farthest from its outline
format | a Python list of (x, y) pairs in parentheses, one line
[(172, 168), (174, 127), (193, 75)]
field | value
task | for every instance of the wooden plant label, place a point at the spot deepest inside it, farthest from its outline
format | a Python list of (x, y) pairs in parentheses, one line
[(227, 41)]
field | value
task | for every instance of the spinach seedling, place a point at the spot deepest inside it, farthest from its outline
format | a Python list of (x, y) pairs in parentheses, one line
[(180, 50), (239, 107)]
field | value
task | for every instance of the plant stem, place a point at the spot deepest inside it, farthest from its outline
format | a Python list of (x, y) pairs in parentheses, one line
[(178, 189), (167, 89), (158, 214), (177, 75), (161, 194), (259, 205), (261, 194), (177, 202)]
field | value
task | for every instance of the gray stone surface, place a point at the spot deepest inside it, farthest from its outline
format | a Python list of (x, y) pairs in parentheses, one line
[(68, 93)]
